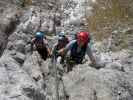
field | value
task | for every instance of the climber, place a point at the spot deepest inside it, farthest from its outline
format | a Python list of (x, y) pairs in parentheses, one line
[(78, 48), (41, 44), (62, 42)]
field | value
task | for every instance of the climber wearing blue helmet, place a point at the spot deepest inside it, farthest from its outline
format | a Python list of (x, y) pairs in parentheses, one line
[(39, 35), (41, 45), (62, 42)]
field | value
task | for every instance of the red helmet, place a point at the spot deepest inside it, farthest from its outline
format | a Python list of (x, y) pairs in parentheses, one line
[(83, 37)]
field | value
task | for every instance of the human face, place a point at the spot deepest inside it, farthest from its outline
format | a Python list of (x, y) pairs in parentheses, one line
[(80, 42)]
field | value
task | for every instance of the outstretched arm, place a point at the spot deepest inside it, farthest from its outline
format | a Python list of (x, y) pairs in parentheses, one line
[(48, 47), (90, 54), (49, 52), (68, 47)]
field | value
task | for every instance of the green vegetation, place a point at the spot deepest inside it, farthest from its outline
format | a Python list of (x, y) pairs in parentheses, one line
[(108, 14)]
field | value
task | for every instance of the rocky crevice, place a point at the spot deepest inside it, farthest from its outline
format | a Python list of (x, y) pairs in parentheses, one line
[(8, 25)]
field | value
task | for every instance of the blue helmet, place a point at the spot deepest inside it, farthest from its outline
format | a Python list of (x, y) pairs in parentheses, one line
[(61, 36), (39, 35)]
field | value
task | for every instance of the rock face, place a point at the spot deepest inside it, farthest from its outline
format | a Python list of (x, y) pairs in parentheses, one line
[(8, 24), (113, 82), (124, 40), (22, 78), (14, 80)]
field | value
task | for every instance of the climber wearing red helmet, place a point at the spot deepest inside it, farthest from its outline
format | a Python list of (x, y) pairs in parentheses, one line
[(82, 38), (78, 48)]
